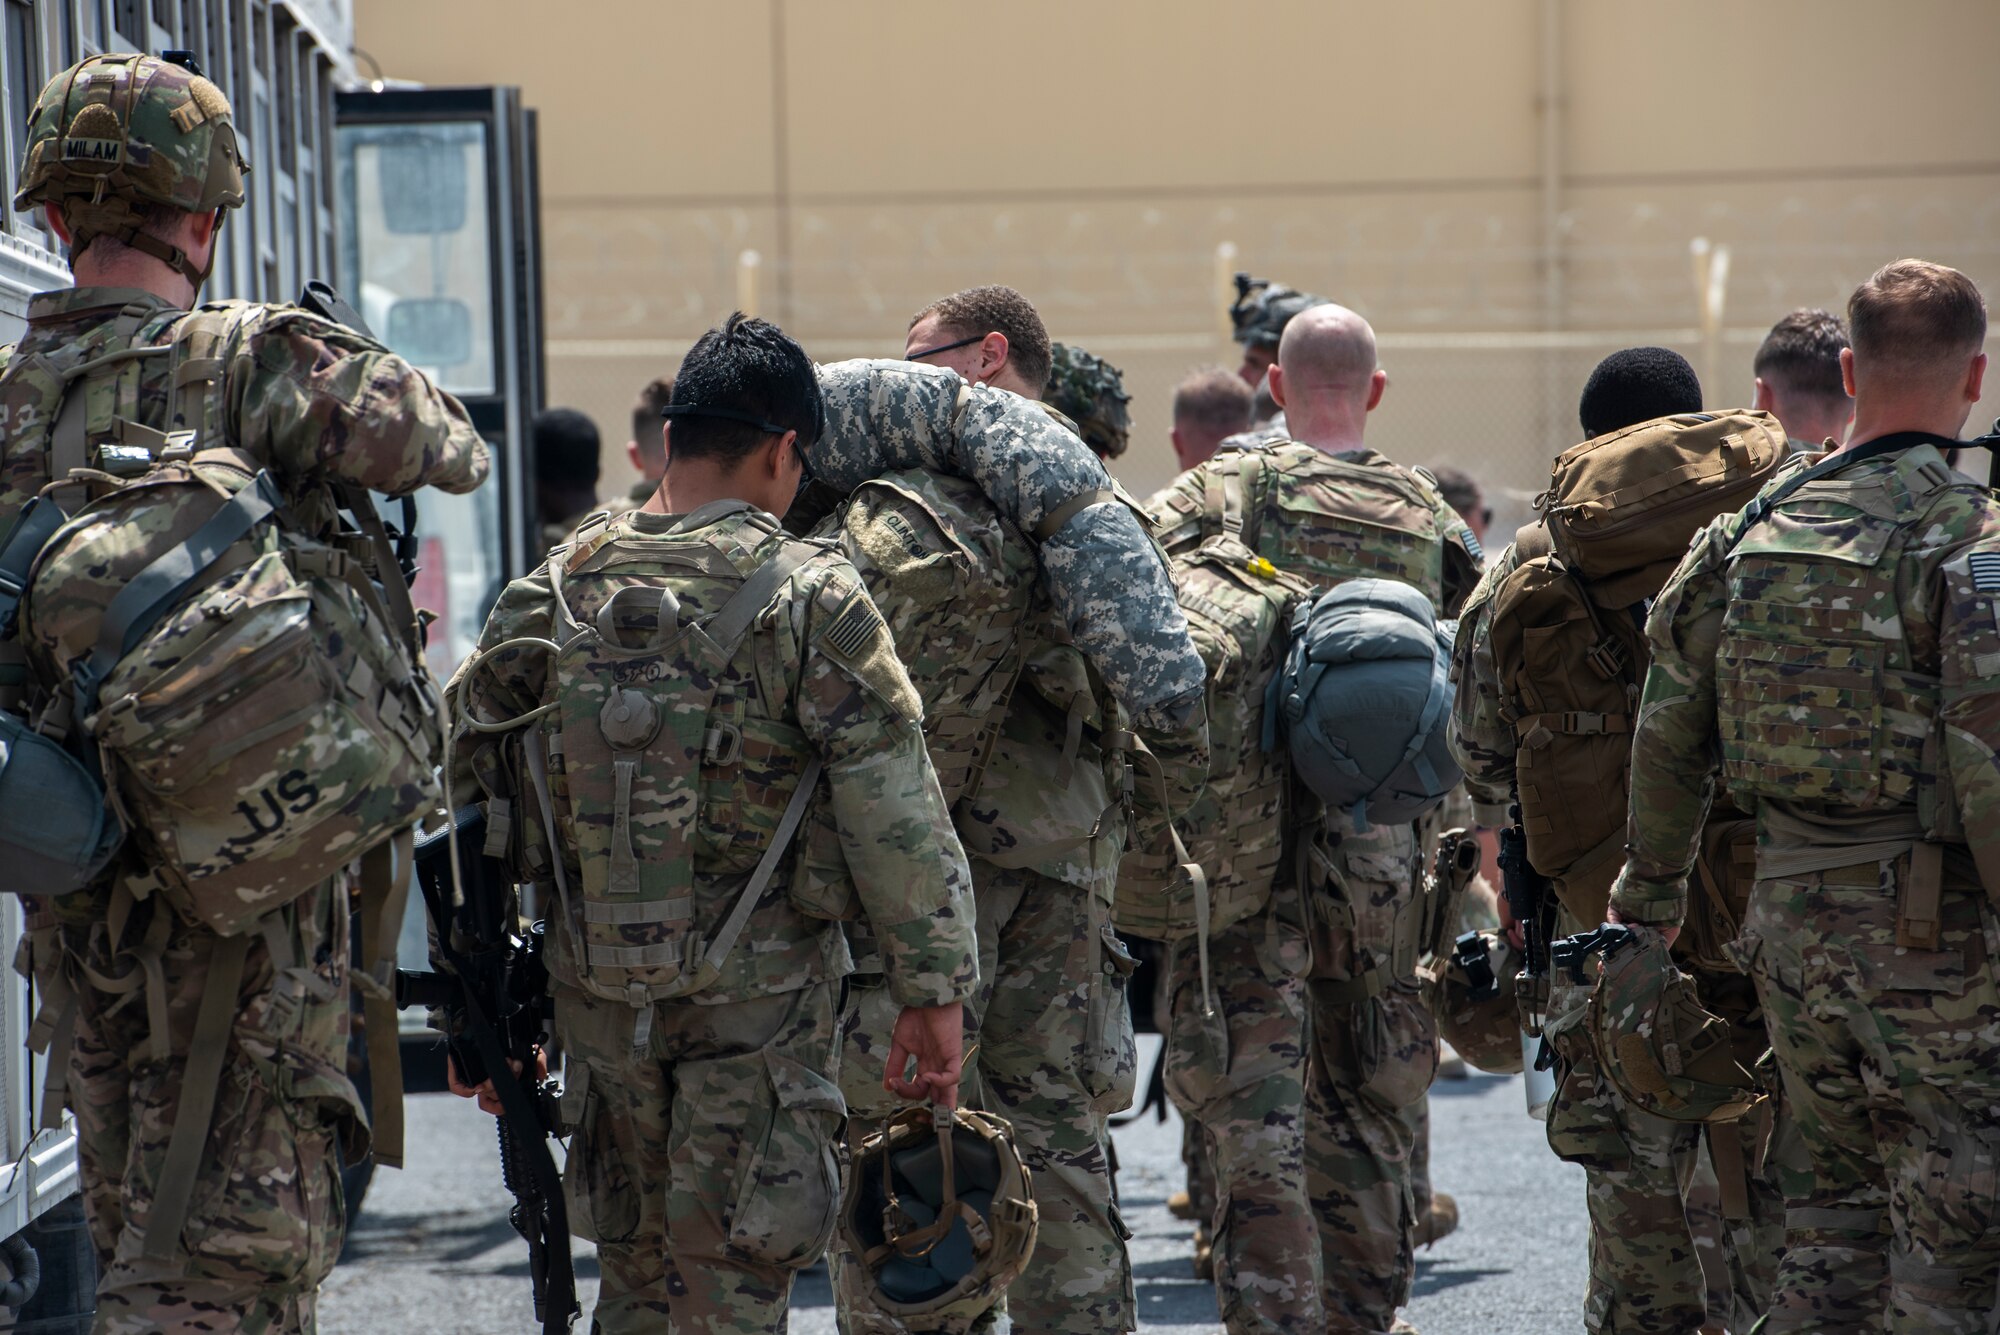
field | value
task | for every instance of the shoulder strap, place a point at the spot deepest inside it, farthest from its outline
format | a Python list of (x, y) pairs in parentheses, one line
[(731, 621), (1755, 512), (1052, 522)]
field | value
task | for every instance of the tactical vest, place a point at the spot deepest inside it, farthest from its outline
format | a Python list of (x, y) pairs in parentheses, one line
[(671, 761), (1823, 695), (956, 584)]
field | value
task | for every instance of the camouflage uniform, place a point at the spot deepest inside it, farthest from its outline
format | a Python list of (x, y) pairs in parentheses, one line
[(1644, 1275), (313, 401), (632, 498), (704, 1165), (1842, 663), (1317, 950)]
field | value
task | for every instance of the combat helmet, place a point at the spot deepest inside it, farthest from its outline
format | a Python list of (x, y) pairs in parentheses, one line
[(1263, 309), (1657, 1044), (1477, 1005), (940, 1214), (115, 134), (1090, 392)]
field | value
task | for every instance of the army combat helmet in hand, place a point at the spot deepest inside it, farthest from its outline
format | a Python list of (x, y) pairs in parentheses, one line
[(116, 138)]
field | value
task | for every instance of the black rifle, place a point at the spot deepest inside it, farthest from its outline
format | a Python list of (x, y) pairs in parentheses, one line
[(493, 985), (1570, 952), (1531, 899)]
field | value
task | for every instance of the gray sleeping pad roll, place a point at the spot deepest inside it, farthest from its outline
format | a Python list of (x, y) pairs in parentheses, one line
[(1103, 571), (1365, 695)]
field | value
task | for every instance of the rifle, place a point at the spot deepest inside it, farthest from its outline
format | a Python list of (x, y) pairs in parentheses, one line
[(493, 986), (1532, 900)]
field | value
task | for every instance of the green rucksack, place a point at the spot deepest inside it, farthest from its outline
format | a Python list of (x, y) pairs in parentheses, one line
[(254, 697), (1239, 611)]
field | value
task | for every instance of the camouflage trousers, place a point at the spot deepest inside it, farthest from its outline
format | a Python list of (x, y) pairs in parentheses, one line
[(1240, 1073), (706, 1169), (265, 1220), (1371, 1061), (1646, 1215), (1056, 1058), (1887, 1056)]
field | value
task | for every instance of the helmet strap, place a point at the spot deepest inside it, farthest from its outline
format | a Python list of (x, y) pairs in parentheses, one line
[(171, 255)]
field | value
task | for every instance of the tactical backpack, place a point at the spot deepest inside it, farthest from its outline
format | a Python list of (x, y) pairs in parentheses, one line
[(1239, 611), (253, 697), (1365, 702), (664, 748), (956, 583), (1568, 624)]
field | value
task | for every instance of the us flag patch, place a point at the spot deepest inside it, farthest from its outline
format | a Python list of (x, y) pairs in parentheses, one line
[(852, 629), (1985, 571)]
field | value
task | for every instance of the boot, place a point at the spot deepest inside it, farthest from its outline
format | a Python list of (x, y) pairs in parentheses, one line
[(1181, 1206), (1204, 1254), (1439, 1222)]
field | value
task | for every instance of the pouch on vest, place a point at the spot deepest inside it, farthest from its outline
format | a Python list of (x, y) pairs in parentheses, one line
[(1364, 699), (256, 696), (1724, 872), (676, 779)]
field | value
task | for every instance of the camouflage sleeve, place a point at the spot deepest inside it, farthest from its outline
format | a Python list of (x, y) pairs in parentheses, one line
[(1482, 741), (319, 398), (1969, 650), (857, 704), (1674, 744), (1183, 758)]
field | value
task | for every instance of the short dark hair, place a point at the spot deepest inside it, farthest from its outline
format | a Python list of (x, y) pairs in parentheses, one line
[(1215, 399), (1802, 353), (748, 366), (646, 412), (1912, 313), (996, 309), (1460, 489), (566, 448), (1636, 385)]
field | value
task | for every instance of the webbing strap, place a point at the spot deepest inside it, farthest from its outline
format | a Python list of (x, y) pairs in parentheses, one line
[(200, 1081), (1841, 460), (33, 527), (1732, 1178), (767, 866), (388, 572), (1847, 1221), (678, 909), (732, 621), (385, 885), (1575, 722), (1919, 911), (152, 591), (538, 776), (1053, 522)]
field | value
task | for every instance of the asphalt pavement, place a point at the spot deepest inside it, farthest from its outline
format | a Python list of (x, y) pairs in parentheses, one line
[(434, 1252)]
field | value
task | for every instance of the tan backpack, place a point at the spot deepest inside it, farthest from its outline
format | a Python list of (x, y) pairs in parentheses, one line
[(1568, 624)]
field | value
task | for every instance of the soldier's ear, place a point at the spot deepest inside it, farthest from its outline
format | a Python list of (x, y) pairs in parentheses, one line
[(1378, 384), (1847, 371), (57, 223), (1976, 378)]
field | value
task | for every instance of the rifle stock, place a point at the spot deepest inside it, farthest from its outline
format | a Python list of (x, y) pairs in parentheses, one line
[(1531, 899)]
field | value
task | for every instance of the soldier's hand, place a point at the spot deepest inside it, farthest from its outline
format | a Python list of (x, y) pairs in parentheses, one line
[(1671, 934), (935, 1036), (489, 1097)]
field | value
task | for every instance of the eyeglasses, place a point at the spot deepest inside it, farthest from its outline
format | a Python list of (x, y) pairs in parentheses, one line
[(943, 347), (1486, 516)]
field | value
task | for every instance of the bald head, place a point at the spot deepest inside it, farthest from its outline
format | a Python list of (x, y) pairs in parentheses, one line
[(1326, 378)]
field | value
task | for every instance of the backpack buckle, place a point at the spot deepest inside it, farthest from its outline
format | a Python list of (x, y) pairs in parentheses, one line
[(723, 744), (1607, 659), (179, 446)]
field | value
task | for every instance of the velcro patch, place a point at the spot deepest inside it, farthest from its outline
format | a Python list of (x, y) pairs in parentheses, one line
[(1985, 568), (853, 628)]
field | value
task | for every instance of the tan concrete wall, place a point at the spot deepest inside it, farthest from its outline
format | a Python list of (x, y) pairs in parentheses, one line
[(1095, 153)]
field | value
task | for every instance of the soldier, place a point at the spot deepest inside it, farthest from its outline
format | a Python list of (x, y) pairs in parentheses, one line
[(1090, 392), (1054, 1027), (1467, 497), (701, 1095), (566, 470), (647, 450), (1798, 377), (317, 404), (1644, 1275), (1348, 512), (1261, 311), (1833, 649), (1210, 405)]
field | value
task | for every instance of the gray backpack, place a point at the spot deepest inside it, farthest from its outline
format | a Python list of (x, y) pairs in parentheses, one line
[(1365, 696)]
